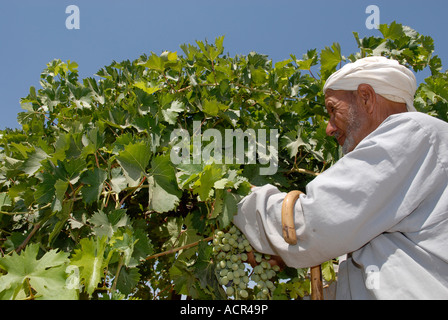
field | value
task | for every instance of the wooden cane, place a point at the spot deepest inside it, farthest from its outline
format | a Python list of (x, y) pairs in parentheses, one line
[(289, 234)]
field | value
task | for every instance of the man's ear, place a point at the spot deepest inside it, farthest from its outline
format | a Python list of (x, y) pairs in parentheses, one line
[(366, 97)]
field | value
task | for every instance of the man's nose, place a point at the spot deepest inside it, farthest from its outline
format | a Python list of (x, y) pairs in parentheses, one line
[(331, 129)]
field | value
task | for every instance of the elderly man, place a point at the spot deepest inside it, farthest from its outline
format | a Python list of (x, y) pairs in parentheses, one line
[(383, 206)]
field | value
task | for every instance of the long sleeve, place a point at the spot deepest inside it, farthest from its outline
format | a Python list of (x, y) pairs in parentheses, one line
[(259, 218)]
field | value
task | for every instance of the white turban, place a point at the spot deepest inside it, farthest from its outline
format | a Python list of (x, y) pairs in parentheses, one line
[(387, 77)]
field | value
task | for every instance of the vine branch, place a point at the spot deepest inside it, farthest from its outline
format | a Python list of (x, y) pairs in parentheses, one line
[(305, 171), (187, 246), (25, 242)]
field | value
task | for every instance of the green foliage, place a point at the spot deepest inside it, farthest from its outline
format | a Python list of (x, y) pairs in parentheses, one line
[(92, 205), (32, 278), (432, 96)]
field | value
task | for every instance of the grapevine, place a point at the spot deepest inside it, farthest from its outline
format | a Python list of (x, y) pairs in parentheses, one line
[(89, 183), (231, 251)]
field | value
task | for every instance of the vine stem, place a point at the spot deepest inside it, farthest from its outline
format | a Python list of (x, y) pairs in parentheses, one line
[(120, 264), (187, 246), (25, 242), (305, 171), (34, 230)]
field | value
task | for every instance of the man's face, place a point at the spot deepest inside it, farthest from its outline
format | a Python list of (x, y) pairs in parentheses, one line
[(347, 120)]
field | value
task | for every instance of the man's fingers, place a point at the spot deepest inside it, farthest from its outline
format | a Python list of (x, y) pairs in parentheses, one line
[(274, 261)]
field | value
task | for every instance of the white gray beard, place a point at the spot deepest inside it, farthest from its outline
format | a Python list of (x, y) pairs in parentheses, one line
[(353, 128)]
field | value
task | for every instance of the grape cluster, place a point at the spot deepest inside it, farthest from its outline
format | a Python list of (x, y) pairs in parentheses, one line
[(231, 251)]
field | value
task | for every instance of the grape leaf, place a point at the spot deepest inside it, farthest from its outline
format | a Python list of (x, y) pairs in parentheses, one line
[(60, 188), (210, 175), (225, 207), (33, 163), (330, 58), (211, 51), (134, 159), (93, 184), (45, 190), (143, 247), (142, 85), (164, 193), (154, 62), (213, 107), (123, 242), (170, 114), (183, 279), (127, 280), (328, 272), (118, 181), (106, 225), (43, 278), (5, 201), (393, 31), (292, 141), (90, 258)]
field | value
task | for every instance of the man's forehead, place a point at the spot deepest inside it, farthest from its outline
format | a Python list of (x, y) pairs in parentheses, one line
[(336, 95)]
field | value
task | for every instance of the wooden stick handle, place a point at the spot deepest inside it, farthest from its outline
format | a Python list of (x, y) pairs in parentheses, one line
[(289, 234), (289, 230)]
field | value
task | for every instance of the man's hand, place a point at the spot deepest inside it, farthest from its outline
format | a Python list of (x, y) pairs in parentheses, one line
[(274, 261)]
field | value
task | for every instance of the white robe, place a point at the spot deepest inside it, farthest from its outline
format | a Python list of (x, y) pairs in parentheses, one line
[(385, 204)]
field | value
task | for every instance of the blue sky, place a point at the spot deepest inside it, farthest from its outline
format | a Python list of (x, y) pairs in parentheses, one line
[(33, 32)]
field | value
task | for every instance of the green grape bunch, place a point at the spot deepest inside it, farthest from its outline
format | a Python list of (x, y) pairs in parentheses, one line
[(243, 272)]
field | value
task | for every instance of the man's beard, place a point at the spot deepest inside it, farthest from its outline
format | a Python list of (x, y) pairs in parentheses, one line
[(353, 128)]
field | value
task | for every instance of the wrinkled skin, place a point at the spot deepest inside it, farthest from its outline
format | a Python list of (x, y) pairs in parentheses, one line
[(355, 114)]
